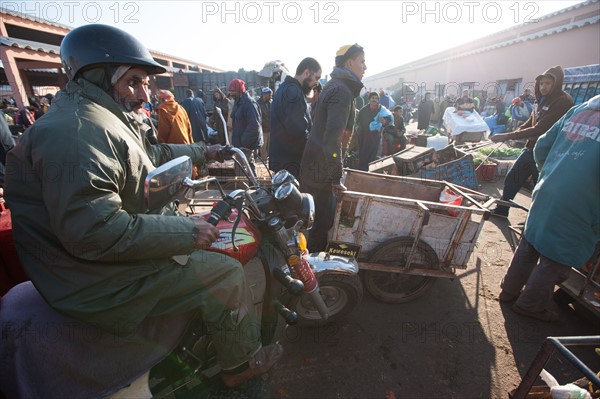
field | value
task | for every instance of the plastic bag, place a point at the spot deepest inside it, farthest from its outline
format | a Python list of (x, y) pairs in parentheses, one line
[(449, 197), (569, 391)]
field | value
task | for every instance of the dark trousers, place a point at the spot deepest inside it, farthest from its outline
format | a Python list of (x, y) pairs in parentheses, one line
[(523, 168), (537, 273), (368, 145), (325, 204)]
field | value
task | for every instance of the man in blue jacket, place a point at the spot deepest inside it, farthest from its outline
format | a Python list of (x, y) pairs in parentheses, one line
[(194, 106), (290, 118), (322, 161), (563, 226), (246, 119)]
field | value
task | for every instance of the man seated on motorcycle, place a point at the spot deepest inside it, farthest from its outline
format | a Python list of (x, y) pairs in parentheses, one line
[(76, 188)]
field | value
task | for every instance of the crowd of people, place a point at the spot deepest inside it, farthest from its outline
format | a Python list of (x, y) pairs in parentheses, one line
[(102, 206)]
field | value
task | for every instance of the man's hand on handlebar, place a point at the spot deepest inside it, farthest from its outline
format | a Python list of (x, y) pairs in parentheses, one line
[(214, 153), (206, 233)]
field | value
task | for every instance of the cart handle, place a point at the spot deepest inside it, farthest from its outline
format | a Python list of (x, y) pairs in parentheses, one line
[(512, 204), (467, 196)]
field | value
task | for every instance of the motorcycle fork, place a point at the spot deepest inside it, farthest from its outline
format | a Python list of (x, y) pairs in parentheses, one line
[(271, 259)]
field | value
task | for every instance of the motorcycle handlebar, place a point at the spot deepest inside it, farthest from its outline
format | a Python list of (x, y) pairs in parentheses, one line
[(231, 153), (218, 212)]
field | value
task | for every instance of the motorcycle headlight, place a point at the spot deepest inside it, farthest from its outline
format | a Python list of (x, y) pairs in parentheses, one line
[(283, 176), (289, 196)]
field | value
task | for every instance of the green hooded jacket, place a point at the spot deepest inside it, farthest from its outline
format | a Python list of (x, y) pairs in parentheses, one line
[(75, 185)]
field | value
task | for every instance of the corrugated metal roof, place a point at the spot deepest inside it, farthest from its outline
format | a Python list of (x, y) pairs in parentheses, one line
[(29, 45), (51, 49), (32, 18)]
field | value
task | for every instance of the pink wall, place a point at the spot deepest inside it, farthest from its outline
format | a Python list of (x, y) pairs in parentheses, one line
[(524, 60)]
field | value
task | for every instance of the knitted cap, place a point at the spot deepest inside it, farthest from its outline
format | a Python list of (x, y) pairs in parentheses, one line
[(347, 51), (237, 85)]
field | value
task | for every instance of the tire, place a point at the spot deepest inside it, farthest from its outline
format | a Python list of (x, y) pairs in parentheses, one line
[(398, 287), (342, 293)]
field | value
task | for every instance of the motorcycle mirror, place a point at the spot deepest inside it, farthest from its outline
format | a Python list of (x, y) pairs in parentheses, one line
[(165, 184)]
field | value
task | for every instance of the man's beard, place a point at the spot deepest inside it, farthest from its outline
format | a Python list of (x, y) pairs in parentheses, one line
[(127, 106), (306, 88), (134, 109)]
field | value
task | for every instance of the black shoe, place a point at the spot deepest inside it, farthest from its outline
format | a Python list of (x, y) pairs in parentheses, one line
[(499, 213), (544, 315), (506, 297)]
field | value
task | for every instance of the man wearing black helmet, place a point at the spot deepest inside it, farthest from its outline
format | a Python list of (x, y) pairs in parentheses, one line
[(76, 186)]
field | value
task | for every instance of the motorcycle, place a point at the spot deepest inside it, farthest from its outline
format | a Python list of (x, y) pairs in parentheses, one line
[(258, 225)]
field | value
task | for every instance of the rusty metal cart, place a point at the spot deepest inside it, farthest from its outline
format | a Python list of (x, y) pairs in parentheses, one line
[(407, 238), (557, 345)]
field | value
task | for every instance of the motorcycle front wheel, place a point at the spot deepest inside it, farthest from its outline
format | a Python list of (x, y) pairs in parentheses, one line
[(341, 293)]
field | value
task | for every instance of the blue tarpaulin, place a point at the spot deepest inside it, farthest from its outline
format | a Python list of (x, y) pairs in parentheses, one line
[(587, 73), (582, 82)]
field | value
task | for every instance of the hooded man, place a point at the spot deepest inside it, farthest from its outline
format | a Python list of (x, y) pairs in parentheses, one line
[(550, 105), (94, 251), (174, 125), (322, 161)]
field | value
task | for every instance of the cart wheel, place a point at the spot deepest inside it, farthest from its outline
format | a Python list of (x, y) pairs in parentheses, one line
[(398, 287)]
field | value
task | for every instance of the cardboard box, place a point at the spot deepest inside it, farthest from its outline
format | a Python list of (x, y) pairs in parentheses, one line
[(386, 165)]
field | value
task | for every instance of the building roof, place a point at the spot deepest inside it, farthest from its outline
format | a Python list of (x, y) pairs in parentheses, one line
[(47, 48), (33, 18), (29, 45), (515, 33)]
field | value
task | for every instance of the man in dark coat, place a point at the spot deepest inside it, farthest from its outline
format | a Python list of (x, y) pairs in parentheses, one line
[(322, 161), (369, 125), (194, 106), (246, 120), (291, 119), (550, 105), (264, 103), (425, 111), (220, 101)]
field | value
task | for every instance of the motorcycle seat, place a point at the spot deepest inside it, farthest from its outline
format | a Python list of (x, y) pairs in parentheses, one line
[(44, 353)]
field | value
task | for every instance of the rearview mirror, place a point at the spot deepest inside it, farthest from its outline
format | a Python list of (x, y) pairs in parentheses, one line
[(165, 184)]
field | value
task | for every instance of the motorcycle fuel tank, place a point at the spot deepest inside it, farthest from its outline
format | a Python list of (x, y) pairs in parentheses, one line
[(247, 238)]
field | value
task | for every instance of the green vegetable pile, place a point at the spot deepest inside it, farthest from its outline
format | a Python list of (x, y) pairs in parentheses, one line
[(500, 153)]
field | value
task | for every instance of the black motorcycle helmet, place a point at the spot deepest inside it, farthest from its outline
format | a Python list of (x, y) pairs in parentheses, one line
[(94, 45)]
